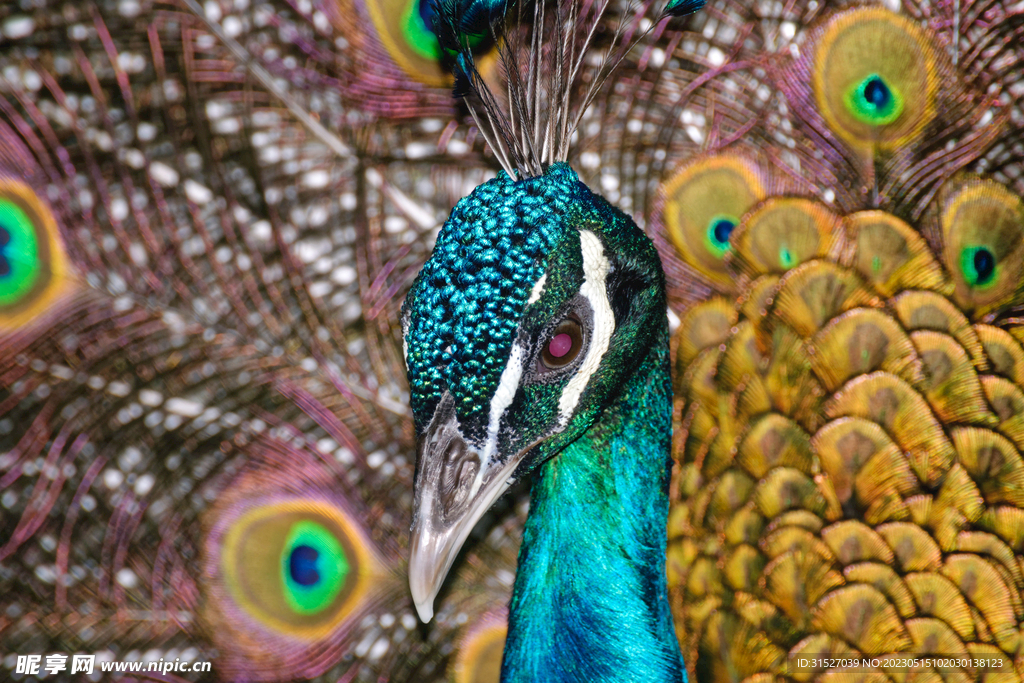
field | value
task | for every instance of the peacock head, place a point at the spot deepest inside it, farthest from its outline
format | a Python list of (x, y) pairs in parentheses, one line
[(539, 299)]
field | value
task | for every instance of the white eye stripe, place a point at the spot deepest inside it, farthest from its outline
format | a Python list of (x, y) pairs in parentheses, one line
[(406, 322), (502, 399), (538, 289), (595, 274), (596, 267)]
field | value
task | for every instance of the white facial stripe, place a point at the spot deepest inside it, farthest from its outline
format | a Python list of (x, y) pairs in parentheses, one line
[(538, 289), (595, 273), (503, 397), (405, 340)]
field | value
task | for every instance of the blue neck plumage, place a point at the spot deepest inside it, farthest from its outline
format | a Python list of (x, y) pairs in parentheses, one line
[(590, 600)]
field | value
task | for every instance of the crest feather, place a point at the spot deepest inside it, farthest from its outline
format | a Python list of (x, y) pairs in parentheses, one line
[(531, 124)]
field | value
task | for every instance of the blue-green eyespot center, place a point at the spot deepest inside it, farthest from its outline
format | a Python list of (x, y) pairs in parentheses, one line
[(313, 567), (20, 267), (978, 265), (719, 231), (418, 29), (873, 101)]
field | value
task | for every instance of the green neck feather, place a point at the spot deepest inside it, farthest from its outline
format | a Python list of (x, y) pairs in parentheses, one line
[(590, 600)]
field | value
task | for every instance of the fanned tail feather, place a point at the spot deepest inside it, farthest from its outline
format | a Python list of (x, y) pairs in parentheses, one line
[(836, 396)]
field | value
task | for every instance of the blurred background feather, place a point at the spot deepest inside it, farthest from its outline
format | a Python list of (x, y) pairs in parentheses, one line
[(212, 216)]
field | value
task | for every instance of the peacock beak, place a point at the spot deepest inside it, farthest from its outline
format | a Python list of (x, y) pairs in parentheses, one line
[(455, 486)]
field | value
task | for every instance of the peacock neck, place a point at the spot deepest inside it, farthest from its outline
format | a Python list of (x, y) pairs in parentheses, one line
[(590, 601)]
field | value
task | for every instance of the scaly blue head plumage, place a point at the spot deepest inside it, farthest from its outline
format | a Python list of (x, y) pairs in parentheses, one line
[(466, 302)]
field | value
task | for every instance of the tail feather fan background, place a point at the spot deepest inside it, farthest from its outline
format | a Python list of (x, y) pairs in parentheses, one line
[(210, 216)]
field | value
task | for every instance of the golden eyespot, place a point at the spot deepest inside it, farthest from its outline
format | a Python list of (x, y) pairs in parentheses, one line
[(295, 566), (875, 78), (405, 31), (288, 568), (704, 202), (33, 266), (478, 658), (982, 228)]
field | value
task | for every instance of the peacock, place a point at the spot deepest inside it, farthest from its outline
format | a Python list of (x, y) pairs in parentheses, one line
[(214, 221)]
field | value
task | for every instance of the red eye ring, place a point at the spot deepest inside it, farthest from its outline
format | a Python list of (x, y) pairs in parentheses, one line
[(564, 344)]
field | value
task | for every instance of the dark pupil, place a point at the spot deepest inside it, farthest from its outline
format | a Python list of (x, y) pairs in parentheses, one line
[(877, 93), (722, 229), (984, 265), (302, 565), (5, 239)]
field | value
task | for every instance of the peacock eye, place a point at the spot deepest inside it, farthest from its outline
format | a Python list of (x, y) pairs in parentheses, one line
[(23, 251), (32, 262), (982, 233), (704, 201), (293, 565), (418, 29), (564, 345), (405, 28)]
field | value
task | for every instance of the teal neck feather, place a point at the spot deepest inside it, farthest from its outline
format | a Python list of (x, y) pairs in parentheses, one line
[(590, 600)]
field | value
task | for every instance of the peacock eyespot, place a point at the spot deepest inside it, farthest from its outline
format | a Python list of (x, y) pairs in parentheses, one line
[(873, 101), (563, 346), (982, 235), (295, 565), (978, 265), (418, 30), (32, 262), (875, 78), (719, 231), (406, 30), (704, 201)]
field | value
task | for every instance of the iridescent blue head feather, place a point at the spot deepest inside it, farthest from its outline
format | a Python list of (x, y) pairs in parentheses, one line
[(470, 295)]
